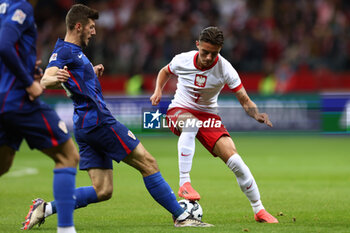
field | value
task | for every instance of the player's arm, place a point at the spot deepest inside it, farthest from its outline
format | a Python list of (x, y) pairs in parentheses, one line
[(38, 72), (162, 78), (9, 35), (54, 77), (251, 108), (98, 69)]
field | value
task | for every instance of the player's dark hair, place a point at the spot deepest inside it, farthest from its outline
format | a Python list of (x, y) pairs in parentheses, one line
[(212, 35), (80, 13)]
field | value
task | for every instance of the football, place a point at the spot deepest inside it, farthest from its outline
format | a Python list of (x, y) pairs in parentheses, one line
[(193, 207)]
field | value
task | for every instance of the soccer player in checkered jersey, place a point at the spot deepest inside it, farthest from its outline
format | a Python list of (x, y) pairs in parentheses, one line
[(201, 76), (24, 116), (100, 137)]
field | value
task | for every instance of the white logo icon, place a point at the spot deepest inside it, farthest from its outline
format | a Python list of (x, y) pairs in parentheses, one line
[(151, 120), (3, 8), (53, 57), (63, 127)]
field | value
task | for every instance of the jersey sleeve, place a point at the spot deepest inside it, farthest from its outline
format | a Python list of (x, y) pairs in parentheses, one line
[(61, 57), (17, 20), (19, 17), (174, 65), (232, 78)]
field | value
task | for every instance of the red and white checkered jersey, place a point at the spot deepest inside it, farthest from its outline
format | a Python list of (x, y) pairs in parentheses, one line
[(197, 88)]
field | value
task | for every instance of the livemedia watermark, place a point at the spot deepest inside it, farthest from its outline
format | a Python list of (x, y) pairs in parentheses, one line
[(235, 119), (155, 119)]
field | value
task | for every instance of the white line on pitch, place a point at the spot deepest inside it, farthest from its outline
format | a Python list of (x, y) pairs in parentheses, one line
[(23, 172)]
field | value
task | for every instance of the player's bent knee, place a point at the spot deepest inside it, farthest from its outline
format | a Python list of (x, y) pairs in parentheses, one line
[(68, 160), (5, 167), (4, 170), (226, 155), (71, 152), (70, 156), (224, 148), (142, 160), (150, 164), (75, 157), (150, 160), (104, 194), (64, 155), (8, 155)]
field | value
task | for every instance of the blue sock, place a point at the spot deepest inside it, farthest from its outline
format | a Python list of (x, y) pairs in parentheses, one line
[(83, 197), (162, 193), (63, 191)]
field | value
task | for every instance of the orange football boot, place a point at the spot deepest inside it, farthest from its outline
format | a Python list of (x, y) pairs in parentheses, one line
[(186, 191), (264, 216)]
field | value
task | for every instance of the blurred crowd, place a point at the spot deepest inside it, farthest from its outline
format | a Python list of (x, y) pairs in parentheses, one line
[(141, 36)]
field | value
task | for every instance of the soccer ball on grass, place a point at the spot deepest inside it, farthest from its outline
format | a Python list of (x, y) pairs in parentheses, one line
[(193, 207)]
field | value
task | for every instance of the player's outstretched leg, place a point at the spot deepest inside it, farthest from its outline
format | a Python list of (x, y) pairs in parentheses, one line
[(226, 150), (249, 187), (159, 189), (186, 149), (162, 193), (66, 157), (37, 211), (41, 209)]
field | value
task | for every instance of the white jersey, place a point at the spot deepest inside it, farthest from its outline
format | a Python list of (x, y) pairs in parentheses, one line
[(197, 88)]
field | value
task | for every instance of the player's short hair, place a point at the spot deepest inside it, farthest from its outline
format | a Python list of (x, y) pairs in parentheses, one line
[(212, 35), (80, 13)]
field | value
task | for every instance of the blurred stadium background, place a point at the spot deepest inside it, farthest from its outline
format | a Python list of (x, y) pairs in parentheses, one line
[(293, 56)]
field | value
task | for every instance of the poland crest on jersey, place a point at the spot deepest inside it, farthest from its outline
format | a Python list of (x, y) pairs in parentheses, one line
[(200, 80)]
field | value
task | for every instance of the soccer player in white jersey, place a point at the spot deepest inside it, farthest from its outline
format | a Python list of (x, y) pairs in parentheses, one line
[(201, 76)]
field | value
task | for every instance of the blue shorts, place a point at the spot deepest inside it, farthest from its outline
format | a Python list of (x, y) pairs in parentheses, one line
[(107, 142), (41, 129)]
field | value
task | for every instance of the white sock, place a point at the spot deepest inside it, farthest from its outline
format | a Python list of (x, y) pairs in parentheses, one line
[(246, 181), (183, 216), (186, 148), (184, 177), (257, 206), (66, 229), (48, 209)]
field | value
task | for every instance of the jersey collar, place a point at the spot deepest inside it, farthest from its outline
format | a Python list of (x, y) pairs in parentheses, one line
[(211, 66), (61, 41)]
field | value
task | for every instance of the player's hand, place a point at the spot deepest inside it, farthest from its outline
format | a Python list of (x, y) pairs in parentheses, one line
[(155, 98), (63, 75), (264, 118), (34, 90), (38, 72), (99, 70)]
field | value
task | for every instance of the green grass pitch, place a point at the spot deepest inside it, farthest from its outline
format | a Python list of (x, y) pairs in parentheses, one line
[(305, 179)]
